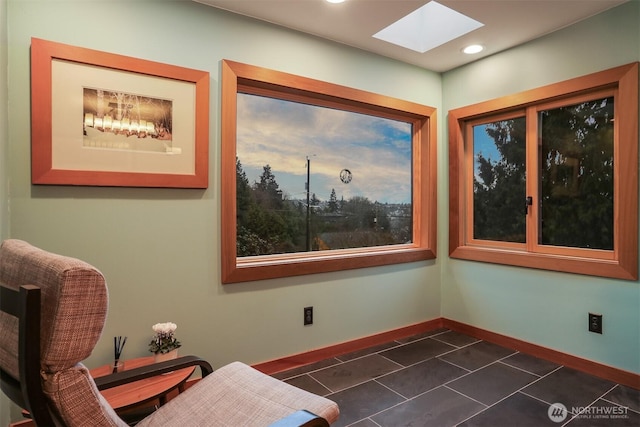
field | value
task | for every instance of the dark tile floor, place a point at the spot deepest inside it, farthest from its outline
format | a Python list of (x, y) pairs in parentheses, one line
[(444, 378)]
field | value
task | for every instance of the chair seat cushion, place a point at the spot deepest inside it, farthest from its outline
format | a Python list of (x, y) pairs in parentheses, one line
[(238, 395)]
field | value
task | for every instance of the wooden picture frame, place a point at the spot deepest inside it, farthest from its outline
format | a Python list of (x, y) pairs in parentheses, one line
[(103, 119)]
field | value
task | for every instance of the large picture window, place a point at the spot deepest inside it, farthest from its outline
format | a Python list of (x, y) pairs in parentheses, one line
[(549, 178), (319, 177)]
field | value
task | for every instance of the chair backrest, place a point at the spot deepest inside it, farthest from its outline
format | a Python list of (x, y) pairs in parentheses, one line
[(23, 388), (72, 309)]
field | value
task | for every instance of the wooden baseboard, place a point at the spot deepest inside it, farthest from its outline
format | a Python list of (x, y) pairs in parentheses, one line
[(306, 358), (588, 366)]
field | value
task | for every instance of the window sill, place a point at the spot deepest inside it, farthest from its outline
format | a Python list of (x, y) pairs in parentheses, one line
[(566, 264), (270, 267)]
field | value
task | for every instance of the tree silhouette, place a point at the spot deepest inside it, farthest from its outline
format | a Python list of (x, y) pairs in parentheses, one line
[(267, 190), (575, 160), (243, 194), (577, 175), (333, 201), (499, 186), (270, 223)]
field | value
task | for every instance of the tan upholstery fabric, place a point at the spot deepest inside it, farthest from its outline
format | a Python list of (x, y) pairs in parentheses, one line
[(80, 402), (238, 395), (73, 293), (74, 307), (9, 344)]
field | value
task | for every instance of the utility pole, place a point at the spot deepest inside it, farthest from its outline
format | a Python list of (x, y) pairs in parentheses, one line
[(308, 185)]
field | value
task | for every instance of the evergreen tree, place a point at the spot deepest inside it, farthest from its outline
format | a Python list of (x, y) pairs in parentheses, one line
[(267, 190), (268, 223), (575, 161), (333, 201), (499, 186), (243, 194), (577, 175)]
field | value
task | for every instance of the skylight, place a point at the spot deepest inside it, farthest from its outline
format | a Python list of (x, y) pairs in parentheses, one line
[(428, 27)]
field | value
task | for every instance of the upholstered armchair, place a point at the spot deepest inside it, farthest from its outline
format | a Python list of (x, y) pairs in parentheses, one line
[(53, 309)]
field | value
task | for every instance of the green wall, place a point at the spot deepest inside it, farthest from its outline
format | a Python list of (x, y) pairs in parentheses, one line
[(4, 198), (547, 308), (160, 248)]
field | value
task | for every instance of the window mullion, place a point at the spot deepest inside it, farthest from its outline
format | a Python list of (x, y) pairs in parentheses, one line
[(532, 177), (468, 184)]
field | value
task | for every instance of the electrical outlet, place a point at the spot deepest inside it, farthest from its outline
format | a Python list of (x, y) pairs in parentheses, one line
[(595, 323), (308, 316)]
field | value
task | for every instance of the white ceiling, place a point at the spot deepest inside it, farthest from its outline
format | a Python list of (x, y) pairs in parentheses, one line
[(507, 23)]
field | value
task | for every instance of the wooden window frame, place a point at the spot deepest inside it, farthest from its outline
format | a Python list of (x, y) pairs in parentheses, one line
[(238, 77), (622, 261)]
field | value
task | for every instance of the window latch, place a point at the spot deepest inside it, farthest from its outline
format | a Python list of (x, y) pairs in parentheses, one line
[(528, 202)]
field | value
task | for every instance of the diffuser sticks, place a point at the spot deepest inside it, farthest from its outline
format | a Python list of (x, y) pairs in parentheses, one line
[(118, 346)]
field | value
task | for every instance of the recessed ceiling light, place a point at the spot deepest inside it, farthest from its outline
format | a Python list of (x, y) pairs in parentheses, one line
[(428, 27), (474, 48), (335, 1)]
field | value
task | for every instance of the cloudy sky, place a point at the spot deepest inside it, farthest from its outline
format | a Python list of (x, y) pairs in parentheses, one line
[(283, 134)]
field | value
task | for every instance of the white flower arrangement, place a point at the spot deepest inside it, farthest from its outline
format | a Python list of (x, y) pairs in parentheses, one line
[(163, 341)]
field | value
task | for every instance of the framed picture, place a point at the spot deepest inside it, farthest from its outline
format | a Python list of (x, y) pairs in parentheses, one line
[(103, 119)]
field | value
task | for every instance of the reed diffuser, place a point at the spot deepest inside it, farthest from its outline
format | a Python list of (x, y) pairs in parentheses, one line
[(118, 346)]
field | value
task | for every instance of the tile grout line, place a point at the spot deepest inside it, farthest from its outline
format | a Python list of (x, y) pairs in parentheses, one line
[(399, 344), (342, 361), (367, 418), (437, 338), (430, 358), (385, 409), (393, 361), (433, 388), (446, 385), (331, 391), (619, 404), (469, 372), (487, 407), (518, 368), (584, 408), (406, 399), (507, 396), (339, 362), (456, 345), (363, 382)]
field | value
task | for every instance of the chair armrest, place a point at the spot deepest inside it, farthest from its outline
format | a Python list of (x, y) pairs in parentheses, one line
[(301, 418), (148, 371)]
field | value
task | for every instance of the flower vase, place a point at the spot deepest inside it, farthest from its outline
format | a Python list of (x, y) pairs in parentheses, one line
[(161, 357)]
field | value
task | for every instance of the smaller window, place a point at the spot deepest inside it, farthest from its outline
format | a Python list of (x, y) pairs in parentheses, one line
[(549, 178)]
